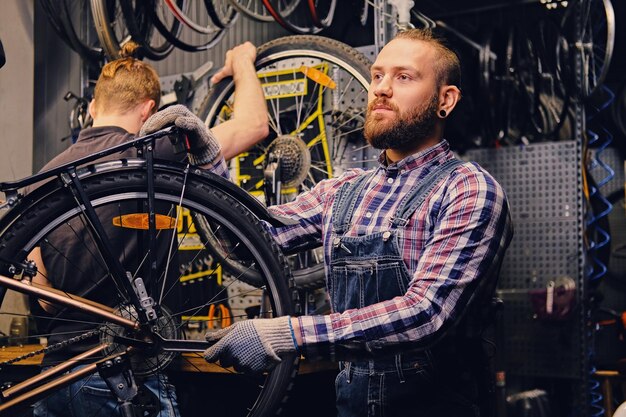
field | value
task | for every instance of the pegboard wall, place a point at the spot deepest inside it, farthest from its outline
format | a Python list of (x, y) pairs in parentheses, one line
[(542, 182)]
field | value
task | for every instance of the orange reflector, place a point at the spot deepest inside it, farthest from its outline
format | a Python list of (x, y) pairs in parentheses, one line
[(318, 76), (140, 221)]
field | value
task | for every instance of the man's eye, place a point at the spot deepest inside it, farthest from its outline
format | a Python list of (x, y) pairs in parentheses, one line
[(403, 77)]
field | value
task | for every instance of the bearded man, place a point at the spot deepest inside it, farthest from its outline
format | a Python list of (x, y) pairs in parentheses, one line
[(406, 246)]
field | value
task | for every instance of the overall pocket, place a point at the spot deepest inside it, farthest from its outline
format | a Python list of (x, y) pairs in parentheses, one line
[(390, 279)]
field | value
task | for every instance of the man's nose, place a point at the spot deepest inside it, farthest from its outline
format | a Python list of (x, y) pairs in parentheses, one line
[(383, 88)]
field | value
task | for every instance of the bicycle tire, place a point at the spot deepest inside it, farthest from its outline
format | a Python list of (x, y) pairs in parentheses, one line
[(322, 12), (175, 38), (123, 183), (106, 19), (505, 119), (253, 9), (596, 40), (353, 70), (60, 17), (596, 64), (184, 18), (142, 29), (221, 12), (54, 21), (551, 98), (299, 20)]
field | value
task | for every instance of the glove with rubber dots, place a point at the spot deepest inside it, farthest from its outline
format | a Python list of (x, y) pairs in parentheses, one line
[(203, 147), (252, 345)]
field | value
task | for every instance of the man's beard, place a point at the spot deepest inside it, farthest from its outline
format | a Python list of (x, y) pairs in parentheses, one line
[(404, 133)]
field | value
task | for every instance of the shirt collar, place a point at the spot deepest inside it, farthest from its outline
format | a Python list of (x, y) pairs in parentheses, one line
[(94, 132), (439, 152)]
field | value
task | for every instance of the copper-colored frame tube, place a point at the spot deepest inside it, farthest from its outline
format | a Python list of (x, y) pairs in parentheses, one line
[(51, 372), (43, 390), (59, 297)]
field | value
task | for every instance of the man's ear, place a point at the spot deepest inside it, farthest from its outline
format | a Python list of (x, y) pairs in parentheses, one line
[(92, 109), (148, 108), (449, 96)]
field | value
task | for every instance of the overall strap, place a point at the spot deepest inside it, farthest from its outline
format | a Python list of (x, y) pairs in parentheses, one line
[(345, 202), (414, 199)]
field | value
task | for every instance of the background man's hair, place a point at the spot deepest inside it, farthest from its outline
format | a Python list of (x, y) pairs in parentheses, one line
[(448, 66), (127, 82)]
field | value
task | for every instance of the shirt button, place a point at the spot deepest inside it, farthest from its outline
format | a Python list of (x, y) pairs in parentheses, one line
[(368, 215), (390, 180)]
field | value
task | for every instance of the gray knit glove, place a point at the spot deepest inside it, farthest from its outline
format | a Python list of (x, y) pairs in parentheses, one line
[(203, 147), (252, 345)]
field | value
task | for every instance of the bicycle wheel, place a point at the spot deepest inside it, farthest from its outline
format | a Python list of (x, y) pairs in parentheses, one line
[(142, 31), (297, 20), (65, 20), (189, 17), (327, 115), (253, 9), (595, 41), (179, 273), (222, 13), (322, 12), (505, 117), (187, 40), (549, 97), (598, 36), (110, 26)]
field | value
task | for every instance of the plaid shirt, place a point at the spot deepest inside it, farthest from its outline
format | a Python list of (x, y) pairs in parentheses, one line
[(450, 242)]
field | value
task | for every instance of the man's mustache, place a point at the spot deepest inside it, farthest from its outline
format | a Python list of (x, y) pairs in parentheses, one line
[(381, 103)]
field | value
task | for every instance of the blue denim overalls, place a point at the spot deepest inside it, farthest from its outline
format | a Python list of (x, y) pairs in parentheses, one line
[(368, 269)]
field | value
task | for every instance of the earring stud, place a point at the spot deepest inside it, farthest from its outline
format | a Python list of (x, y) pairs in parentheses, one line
[(442, 113)]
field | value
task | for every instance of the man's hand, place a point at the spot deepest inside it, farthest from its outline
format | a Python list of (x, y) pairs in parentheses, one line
[(240, 54), (252, 345), (203, 147)]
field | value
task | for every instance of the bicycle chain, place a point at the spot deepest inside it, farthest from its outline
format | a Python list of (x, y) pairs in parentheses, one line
[(52, 348)]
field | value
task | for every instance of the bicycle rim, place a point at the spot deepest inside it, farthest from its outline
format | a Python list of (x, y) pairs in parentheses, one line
[(598, 37), (153, 45), (65, 19), (595, 41), (189, 17), (185, 40), (322, 12), (186, 281), (110, 26), (222, 12), (328, 120), (293, 15), (253, 9)]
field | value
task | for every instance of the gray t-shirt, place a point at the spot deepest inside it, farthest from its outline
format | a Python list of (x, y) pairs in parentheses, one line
[(68, 253)]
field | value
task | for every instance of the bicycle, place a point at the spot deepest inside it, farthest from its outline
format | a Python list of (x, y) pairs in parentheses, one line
[(171, 211)]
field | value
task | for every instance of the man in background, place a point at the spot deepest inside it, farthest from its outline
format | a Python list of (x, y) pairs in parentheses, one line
[(127, 93)]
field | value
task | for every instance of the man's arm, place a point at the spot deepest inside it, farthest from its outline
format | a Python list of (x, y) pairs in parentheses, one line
[(249, 122)]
